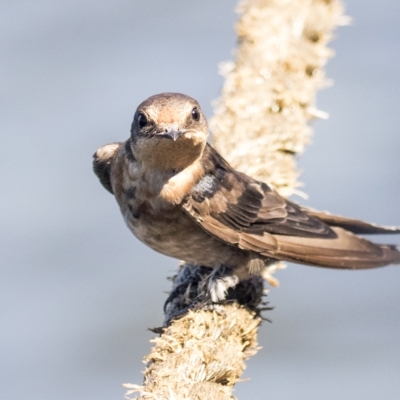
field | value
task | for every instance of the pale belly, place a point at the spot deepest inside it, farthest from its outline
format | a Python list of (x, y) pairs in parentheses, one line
[(176, 235)]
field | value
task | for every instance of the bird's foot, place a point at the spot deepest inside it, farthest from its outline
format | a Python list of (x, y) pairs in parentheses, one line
[(221, 280), (197, 288)]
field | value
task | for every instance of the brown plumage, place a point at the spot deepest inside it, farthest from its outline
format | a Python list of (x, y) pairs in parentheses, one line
[(181, 198)]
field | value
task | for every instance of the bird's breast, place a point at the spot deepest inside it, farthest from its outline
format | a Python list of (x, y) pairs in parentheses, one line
[(173, 233), (151, 204)]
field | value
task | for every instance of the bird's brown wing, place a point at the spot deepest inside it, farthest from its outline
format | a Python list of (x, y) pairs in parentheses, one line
[(350, 224), (102, 163), (241, 203), (250, 215)]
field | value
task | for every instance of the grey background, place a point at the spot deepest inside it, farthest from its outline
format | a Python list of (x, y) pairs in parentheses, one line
[(78, 292)]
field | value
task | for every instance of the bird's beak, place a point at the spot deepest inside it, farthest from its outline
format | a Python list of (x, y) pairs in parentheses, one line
[(171, 135), (171, 132)]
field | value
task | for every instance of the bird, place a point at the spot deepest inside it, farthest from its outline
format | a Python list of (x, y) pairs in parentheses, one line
[(181, 198)]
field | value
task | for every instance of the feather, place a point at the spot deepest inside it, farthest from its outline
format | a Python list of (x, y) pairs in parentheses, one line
[(250, 215), (353, 225), (102, 163), (346, 251), (246, 205)]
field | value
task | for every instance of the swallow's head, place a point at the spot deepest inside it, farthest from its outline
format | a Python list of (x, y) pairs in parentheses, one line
[(169, 130)]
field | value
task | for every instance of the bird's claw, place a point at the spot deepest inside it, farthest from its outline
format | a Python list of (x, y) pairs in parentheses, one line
[(219, 286)]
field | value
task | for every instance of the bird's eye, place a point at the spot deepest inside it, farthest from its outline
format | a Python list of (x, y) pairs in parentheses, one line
[(142, 120), (195, 114)]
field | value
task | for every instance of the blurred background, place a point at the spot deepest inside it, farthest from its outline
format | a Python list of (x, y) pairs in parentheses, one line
[(78, 291)]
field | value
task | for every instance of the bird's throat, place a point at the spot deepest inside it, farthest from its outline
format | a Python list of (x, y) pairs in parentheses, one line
[(177, 186), (167, 155)]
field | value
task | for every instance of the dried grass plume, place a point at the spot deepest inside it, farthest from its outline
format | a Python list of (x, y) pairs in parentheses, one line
[(269, 93)]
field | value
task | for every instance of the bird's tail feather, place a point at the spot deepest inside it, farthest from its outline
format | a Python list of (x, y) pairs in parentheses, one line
[(347, 251), (352, 225)]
